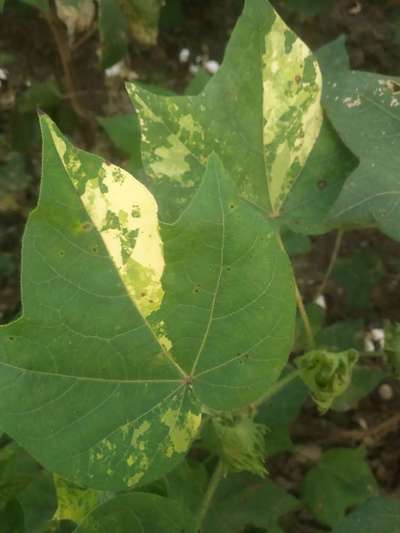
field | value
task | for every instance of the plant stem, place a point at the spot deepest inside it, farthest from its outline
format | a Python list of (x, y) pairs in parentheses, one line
[(64, 54), (208, 496), (277, 387), (302, 311), (305, 319), (334, 256)]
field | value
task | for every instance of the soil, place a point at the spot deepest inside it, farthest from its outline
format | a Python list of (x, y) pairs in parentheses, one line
[(373, 45)]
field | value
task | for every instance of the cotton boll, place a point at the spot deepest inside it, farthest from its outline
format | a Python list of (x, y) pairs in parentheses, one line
[(368, 345), (115, 70), (386, 392), (211, 66), (184, 55), (378, 335), (321, 301)]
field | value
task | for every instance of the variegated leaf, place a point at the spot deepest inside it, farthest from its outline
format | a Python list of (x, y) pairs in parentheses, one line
[(261, 114), (132, 324)]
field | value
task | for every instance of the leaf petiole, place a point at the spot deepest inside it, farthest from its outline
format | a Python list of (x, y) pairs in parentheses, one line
[(215, 480)]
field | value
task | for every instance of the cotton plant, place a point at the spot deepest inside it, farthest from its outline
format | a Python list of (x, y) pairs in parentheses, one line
[(159, 309)]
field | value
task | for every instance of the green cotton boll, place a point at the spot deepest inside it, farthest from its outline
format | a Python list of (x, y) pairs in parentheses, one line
[(392, 345), (241, 444), (327, 374)]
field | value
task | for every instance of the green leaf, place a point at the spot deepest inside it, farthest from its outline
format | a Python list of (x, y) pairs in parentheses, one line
[(2, 2), (137, 513), (365, 110), (39, 502), (12, 518), (326, 374), (295, 243), (378, 514), (341, 335), (142, 17), (124, 131), (244, 500), (364, 380), (131, 325), (22, 479), (260, 113), (279, 412), (16, 472), (342, 479), (358, 275), (75, 503), (42, 95), (187, 484), (333, 56), (198, 82), (113, 32)]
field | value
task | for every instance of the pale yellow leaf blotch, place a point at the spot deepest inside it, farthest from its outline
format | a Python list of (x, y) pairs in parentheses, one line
[(182, 430), (292, 86), (125, 214)]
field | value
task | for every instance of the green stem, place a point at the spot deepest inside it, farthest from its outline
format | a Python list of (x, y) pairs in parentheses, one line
[(307, 326), (302, 310), (277, 387), (208, 496), (334, 256)]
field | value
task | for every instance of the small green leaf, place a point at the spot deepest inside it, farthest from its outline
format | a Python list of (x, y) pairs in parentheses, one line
[(326, 374), (113, 32), (341, 480), (244, 501), (378, 514), (137, 512)]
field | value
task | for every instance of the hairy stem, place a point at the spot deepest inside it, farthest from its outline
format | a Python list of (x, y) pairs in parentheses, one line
[(208, 496), (305, 319), (334, 256)]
